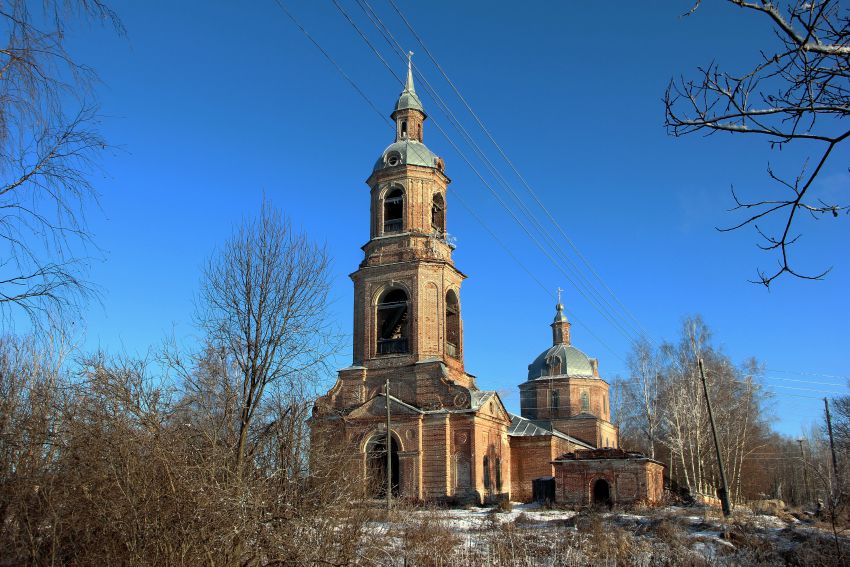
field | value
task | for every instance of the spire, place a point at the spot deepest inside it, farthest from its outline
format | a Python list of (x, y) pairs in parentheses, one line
[(408, 86), (408, 99)]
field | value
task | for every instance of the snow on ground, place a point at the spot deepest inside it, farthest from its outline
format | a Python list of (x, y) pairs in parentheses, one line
[(702, 533)]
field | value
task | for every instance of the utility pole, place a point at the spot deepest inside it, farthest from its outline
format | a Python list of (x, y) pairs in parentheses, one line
[(835, 483), (805, 472), (389, 446), (724, 491)]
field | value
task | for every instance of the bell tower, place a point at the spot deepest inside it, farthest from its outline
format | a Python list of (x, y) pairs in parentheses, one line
[(407, 290)]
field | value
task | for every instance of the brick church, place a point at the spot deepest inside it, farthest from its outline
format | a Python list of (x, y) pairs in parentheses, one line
[(448, 439)]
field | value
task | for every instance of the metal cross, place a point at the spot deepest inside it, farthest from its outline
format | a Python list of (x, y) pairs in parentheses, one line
[(559, 294)]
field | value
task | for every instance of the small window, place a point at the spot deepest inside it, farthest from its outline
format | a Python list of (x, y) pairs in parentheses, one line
[(554, 364), (404, 128), (498, 474), (393, 159), (486, 472), (394, 211), (452, 325), (556, 401), (438, 214), (585, 402), (392, 323)]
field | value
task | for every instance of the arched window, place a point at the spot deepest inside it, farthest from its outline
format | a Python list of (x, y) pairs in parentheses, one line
[(438, 214), (498, 474), (554, 364), (452, 324), (585, 402), (486, 472), (404, 128), (392, 322), (556, 401), (394, 211)]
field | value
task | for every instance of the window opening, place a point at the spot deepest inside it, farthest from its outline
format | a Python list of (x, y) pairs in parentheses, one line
[(438, 214), (452, 325), (555, 366), (486, 472), (403, 128), (394, 211), (392, 322), (585, 401), (498, 474), (556, 400)]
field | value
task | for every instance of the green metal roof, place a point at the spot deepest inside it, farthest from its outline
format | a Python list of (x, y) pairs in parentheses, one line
[(408, 99), (409, 152), (573, 362), (559, 314)]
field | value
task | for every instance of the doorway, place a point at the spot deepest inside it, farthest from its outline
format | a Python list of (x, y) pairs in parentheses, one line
[(376, 457), (601, 493)]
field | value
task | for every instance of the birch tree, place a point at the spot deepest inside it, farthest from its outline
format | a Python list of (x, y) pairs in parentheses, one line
[(48, 147)]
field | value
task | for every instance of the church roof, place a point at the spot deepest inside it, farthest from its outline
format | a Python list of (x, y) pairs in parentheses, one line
[(408, 99), (406, 152), (522, 427), (573, 362)]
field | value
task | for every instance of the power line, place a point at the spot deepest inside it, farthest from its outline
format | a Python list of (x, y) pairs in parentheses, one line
[(804, 381), (807, 373), (450, 115), (552, 219), (583, 284), (469, 209), (334, 63)]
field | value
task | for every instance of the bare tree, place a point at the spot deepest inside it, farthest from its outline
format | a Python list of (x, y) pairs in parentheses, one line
[(798, 92), (665, 409), (48, 144), (642, 392), (263, 305)]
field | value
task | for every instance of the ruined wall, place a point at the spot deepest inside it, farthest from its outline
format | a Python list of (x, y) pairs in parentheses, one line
[(629, 480)]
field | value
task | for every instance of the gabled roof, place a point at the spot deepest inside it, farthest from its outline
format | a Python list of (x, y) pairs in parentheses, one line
[(522, 427), (377, 406)]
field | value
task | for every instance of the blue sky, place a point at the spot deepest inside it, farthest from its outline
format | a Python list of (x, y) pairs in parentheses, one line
[(213, 104)]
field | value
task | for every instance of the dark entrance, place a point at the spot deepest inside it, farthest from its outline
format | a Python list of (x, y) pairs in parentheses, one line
[(377, 462), (543, 489), (601, 493)]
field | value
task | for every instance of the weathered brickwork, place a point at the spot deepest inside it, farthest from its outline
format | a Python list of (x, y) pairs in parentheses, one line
[(449, 438), (531, 458), (608, 477)]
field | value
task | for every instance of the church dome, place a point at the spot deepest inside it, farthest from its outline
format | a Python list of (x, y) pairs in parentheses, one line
[(572, 361), (408, 100), (406, 152)]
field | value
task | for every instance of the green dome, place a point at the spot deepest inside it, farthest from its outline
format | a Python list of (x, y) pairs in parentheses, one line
[(409, 100), (406, 152), (573, 362)]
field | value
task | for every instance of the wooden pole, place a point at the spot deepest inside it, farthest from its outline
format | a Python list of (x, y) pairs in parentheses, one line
[(835, 483), (389, 446), (724, 491), (806, 494)]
